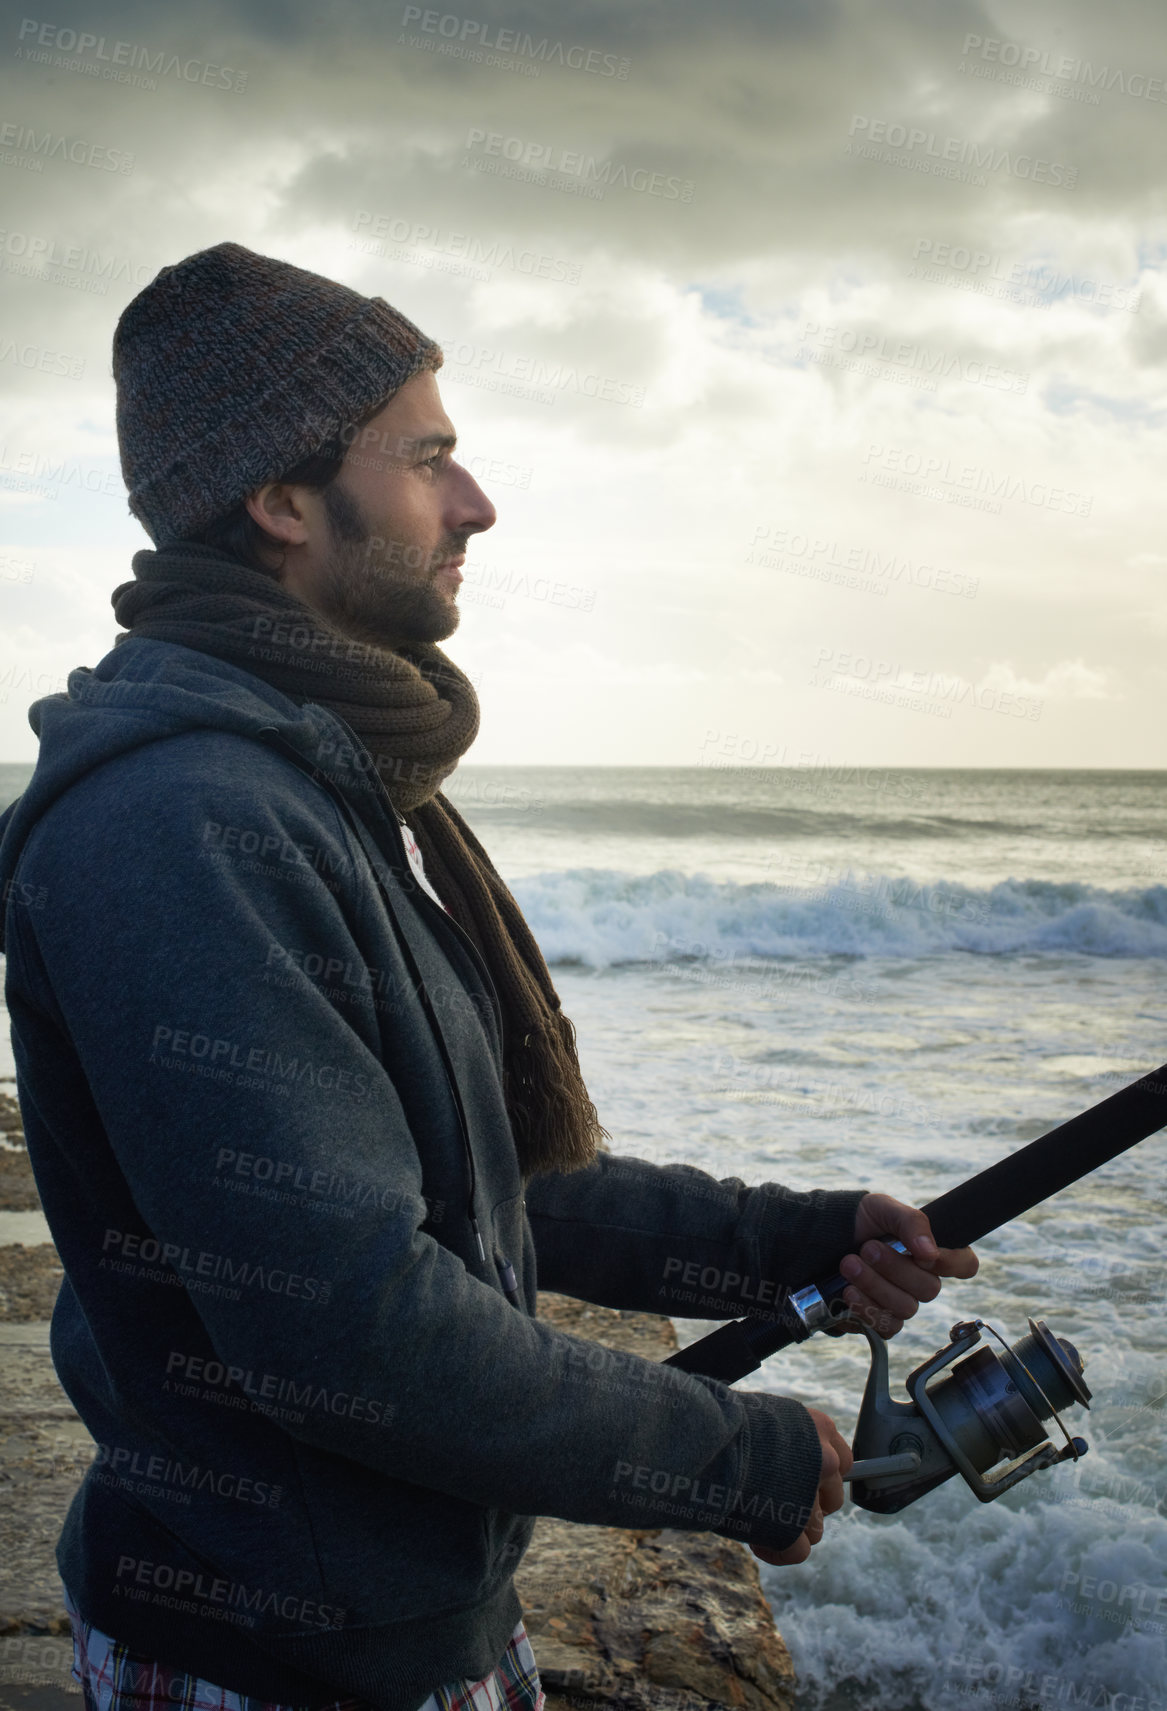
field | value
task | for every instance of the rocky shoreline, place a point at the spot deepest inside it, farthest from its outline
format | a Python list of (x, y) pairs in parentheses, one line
[(626, 1619)]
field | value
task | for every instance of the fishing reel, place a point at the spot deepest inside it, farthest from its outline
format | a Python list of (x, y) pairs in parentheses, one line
[(990, 1406)]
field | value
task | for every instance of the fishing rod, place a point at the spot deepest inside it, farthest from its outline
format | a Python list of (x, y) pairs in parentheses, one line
[(990, 1405)]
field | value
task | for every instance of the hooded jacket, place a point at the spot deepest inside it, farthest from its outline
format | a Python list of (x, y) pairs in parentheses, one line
[(260, 1076)]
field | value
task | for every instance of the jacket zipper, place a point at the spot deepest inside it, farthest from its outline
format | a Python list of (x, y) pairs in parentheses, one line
[(276, 738)]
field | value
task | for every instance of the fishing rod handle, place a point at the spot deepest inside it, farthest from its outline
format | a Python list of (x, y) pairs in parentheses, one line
[(962, 1216), (818, 1305)]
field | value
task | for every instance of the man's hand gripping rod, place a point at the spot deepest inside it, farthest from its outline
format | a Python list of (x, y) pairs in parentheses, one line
[(958, 1219), (970, 1405)]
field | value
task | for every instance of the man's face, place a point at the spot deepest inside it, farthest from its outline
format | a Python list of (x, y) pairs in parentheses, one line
[(385, 540)]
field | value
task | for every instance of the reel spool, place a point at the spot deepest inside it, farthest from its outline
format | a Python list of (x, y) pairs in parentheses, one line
[(990, 1406)]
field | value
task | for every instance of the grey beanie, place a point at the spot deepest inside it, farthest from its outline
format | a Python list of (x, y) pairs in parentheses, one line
[(232, 367)]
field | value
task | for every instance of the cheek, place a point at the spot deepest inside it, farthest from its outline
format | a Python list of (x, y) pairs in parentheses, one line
[(417, 508), (407, 516)]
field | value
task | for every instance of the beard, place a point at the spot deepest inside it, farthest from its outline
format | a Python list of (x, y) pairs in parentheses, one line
[(366, 591)]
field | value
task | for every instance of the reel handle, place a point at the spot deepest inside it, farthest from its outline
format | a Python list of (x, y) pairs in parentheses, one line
[(878, 1467)]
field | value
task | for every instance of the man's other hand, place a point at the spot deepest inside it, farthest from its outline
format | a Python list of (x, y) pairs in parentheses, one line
[(837, 1460), (885, 1287)]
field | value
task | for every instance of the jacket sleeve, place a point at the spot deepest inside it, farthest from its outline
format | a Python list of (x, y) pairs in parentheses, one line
[(160, 963), (673, 1239)]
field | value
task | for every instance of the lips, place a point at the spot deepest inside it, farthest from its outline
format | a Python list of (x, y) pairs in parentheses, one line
[(451, 568)]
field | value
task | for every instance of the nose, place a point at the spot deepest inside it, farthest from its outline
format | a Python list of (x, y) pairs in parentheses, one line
[(472, 510)]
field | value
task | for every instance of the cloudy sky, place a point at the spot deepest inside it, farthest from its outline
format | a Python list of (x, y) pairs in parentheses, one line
[(812, 351)]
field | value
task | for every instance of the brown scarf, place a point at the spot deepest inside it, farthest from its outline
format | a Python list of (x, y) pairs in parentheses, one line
[(417, 714)]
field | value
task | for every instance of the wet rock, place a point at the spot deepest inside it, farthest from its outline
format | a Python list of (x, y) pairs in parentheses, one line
[(11, 1122), (646, 1620), (29, 1281), (44, 1450), (17, 1187)]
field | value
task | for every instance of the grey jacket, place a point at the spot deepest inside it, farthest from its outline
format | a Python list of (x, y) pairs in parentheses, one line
[(261, 1086)]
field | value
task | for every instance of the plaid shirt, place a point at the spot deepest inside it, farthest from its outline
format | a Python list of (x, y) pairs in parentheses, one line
[(113, 1678)]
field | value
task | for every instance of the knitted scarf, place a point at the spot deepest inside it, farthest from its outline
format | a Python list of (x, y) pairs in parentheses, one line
[(417, 714)]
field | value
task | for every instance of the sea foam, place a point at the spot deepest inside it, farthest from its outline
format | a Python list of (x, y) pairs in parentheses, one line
[(602, 917)]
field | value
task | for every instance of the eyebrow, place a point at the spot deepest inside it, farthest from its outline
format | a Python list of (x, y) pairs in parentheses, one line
[(438, 442)]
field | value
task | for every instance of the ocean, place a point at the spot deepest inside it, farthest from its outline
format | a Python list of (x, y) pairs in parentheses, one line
[(889, 978)]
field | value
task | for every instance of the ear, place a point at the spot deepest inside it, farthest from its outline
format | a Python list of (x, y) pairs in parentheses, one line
[(281, 511)]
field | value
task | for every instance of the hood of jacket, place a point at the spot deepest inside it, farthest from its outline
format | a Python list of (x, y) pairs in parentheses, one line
[(144, 690)]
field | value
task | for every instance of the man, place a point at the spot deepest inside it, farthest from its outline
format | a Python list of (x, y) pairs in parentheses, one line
[(302, 1104)]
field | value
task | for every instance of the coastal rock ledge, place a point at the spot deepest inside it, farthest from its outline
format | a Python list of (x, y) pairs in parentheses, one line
[(646, 1620)]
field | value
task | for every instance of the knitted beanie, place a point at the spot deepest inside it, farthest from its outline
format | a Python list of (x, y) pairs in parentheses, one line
[(232, 367)]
